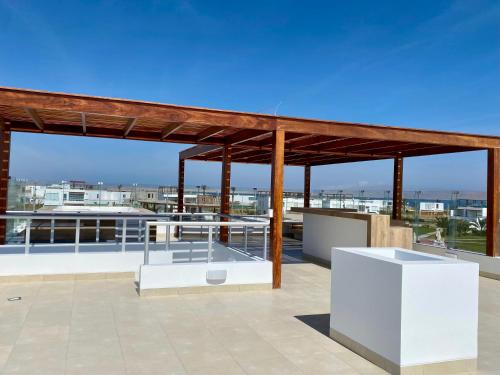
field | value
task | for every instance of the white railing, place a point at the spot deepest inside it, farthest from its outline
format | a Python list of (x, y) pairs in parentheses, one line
[(120, 218), (231, 222), (144, 222)]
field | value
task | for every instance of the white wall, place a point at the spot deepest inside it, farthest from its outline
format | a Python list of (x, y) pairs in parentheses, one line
[(54, 264), (440, 313), (195, 274), (366, 307), (322, 232), (412, 312)]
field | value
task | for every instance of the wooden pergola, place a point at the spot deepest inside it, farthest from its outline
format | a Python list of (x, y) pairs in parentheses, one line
[(229, 136)]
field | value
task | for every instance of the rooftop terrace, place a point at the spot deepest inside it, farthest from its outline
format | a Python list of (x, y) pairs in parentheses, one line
[(104, 327)]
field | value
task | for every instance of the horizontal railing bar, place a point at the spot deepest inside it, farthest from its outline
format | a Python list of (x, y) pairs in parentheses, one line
[(119, 212), (45, 217), (209, 223)]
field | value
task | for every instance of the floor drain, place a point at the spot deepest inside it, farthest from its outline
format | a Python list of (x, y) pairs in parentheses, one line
[(14, 299)]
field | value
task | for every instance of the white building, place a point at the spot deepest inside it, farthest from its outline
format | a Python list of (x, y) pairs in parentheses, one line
[(469, 213), (432, 206)]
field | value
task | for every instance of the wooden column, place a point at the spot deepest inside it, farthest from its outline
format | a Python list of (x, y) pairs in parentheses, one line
[(278, 157), (307, 185), (493, 213), (225, 189), (180, 192), (4, 175), (397, 189)]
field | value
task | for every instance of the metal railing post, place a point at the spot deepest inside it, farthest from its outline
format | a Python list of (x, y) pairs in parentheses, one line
[(124, 234), (52, 229), (97, 229), (167, 238), (77, 236), (230, 234), (27, 237), (146, 245), (246, 236), (209, 253), (139, 231), (265, 244)]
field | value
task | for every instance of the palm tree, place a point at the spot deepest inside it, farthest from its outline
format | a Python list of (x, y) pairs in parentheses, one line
[(478, 226), (443, 222), (461, 227)]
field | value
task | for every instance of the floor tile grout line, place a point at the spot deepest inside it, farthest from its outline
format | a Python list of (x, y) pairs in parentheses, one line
[(118, 335), (69, 330)]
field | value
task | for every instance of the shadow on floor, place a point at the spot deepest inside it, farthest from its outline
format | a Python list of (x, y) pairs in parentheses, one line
[(319, 322)]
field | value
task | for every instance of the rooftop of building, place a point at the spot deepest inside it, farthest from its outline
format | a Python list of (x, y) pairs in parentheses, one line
[(77, 326)]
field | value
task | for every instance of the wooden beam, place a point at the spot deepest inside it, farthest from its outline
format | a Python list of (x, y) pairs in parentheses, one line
[(209, 132), (277, 204), (434, 150), (61, 102), (197, 151), (180, 191), (391, 133), (131, 122), (397, 189), (169, 129), (493, 196), (245, 136), (346, 143), (84, 123), (4, 175), (340, 160), (225, 190), (33, 114), (315, 140), (134, 108), (307, 186)]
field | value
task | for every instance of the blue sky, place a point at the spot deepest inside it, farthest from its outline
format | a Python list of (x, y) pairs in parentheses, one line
[(426, 64)]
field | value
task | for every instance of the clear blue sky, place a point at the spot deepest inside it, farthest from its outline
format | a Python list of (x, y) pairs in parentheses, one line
[(426, 64)]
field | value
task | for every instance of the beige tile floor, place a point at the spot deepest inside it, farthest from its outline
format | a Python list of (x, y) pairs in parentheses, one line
[(103, 327)]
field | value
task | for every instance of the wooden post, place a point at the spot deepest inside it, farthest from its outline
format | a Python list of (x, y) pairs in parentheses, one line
[(4, 175), (397, 189), (225, 187), (180, 192), (493, 213), (307, 185), (278, 157)]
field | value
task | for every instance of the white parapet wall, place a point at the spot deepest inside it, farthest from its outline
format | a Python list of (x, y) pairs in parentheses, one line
[(327, 228), (59, 264), (321, 232), (404, 310), (164, 277), (488, 266)]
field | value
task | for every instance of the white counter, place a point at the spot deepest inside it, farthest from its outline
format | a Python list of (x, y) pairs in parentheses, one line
[(403, 309)]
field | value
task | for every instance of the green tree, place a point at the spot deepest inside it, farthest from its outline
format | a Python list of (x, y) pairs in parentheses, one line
[(444, 223), (462, 227), (478, 226)]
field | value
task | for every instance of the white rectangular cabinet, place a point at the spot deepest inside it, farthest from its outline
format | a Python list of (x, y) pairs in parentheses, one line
[(406, 311)]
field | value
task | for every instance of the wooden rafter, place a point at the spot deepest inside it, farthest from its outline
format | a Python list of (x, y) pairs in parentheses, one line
[(246, 135), (170, 129), (33, 114), (209, 132), (131, 122), (84, 123)]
